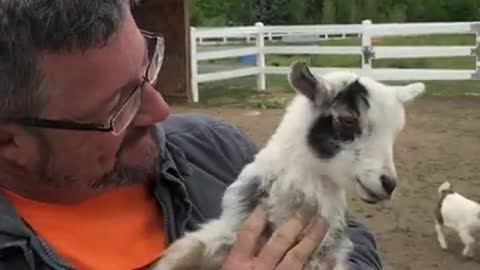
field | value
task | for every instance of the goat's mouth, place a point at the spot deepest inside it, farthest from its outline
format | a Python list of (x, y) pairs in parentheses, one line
[(373, 198)]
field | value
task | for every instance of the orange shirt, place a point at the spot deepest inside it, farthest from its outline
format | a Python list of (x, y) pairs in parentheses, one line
[(119, 230)]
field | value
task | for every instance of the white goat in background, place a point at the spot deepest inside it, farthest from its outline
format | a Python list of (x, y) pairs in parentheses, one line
[(457, 213), (338, 132)]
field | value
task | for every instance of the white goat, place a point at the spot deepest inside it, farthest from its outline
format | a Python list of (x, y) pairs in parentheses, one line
[(338, 132), (457, 213)]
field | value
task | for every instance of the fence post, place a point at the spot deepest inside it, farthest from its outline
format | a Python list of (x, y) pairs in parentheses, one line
[(367, 51), (477, 59), (261, 81), (193, 64), (475, 28)]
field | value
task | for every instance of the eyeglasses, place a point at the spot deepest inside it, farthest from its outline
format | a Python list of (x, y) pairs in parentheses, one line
[(124, 112)]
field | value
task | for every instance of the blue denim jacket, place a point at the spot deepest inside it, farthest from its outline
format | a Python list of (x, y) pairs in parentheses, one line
[(201, 156)]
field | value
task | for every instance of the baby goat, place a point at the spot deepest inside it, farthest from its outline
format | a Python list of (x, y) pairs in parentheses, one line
[(338, 132), (457, 213)]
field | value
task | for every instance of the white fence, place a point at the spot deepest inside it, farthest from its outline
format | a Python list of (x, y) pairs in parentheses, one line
[(269, 36), (367, 31)]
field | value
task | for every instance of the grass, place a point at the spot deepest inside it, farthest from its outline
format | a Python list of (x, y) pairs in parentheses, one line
[(241, 92)]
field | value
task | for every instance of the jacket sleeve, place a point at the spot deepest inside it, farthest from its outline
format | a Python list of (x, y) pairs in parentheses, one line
[(364, 255)]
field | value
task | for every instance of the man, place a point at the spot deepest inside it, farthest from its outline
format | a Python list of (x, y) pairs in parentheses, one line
[(92, 173)]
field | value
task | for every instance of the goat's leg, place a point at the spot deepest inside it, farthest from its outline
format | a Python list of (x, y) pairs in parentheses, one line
[(468, 241), (204, 249), (441, 235), (183, 254)]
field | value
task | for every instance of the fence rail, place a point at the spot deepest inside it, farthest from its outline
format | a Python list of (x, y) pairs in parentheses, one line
[(367, 31)]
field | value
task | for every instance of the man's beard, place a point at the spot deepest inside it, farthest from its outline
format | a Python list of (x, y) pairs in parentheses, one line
[(120, 175), (123, 174)]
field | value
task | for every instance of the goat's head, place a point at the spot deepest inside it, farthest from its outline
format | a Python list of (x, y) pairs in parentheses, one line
[(355, 126)]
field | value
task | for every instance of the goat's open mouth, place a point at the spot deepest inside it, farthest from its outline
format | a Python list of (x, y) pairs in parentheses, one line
[(373, 197)]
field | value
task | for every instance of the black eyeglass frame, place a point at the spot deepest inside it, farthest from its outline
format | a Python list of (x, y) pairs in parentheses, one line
[(156, 48)]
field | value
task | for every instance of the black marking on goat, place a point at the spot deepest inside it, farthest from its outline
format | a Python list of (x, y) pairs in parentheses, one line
[(322, 137), (353, 97), (329, 132), (438, 209), (249, 195)]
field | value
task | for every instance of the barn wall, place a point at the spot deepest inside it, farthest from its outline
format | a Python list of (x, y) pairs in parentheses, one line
[(171, 18)]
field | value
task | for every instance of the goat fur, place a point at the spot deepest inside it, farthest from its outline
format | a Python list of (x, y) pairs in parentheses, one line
[(338, 132), (456, 213)]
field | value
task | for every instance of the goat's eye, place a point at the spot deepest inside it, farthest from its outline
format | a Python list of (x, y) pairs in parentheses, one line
[(346, 122), (346, 128)]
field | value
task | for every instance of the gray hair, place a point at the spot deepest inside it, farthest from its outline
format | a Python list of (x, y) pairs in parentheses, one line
[(31, 27)]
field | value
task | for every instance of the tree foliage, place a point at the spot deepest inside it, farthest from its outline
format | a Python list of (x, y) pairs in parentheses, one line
[(281, 12)]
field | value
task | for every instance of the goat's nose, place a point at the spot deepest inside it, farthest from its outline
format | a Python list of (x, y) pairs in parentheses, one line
[(388, 183)]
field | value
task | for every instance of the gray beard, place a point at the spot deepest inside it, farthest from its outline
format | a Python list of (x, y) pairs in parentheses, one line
[(122, 174)]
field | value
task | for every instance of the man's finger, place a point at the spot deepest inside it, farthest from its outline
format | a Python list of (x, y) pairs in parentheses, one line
[(283, 239), (298, 255), (249, 234)]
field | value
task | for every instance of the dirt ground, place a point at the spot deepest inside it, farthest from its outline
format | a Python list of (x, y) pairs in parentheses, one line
[(440, 142)]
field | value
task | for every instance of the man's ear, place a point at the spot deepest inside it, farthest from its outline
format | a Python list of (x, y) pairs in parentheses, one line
[(304, 82), (409, 92)]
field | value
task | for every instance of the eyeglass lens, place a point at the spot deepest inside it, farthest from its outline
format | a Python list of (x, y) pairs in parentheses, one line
[(129, 110)]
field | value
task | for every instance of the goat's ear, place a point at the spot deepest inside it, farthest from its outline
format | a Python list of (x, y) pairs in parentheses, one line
[(409, 92), (304, 82)]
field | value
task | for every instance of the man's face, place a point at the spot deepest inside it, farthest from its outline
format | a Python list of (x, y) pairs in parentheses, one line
[(85, 87)]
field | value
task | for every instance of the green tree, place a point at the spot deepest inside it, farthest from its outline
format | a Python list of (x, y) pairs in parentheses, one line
[(329, 11), (355, 11), (240, 12), (314, 11), (296, 12), (247, 12), (392, 11), (370, 10), (271, 12), (462, 10), (343, 11)]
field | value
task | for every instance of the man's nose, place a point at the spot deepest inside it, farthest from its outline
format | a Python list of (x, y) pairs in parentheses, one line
[(153, 108)]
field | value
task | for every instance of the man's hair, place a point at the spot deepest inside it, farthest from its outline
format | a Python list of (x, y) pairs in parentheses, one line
[(29, 28)]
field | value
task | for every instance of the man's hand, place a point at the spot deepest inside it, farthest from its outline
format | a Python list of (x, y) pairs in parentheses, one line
[(289, 247)]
